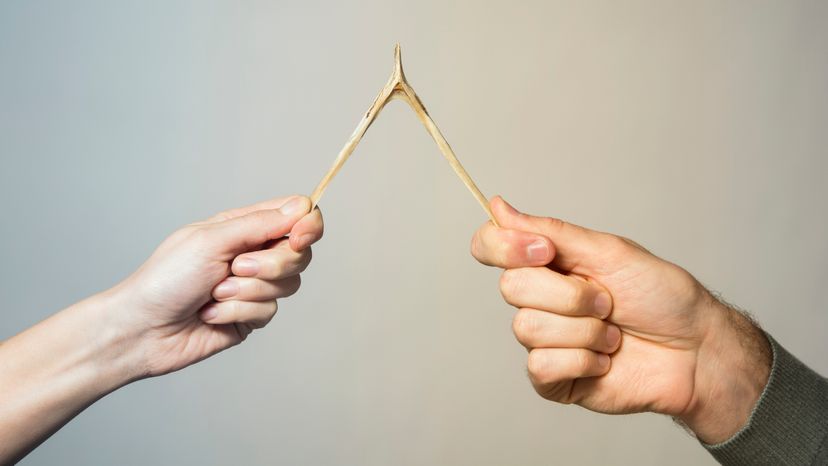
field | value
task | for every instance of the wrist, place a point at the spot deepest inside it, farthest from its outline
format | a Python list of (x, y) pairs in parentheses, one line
[(732, 368), (114, 350)]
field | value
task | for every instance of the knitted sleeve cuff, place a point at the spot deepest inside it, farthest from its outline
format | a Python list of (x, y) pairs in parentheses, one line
[(789, 423)]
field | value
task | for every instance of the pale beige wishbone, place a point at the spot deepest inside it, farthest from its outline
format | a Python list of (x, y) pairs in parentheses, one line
[(398, 88)]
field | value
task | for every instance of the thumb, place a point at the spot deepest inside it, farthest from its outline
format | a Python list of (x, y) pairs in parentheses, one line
[(578, 248), (253, 229)]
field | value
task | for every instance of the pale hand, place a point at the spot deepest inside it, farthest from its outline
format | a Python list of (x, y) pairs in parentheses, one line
[(203, 290), (211, 283)]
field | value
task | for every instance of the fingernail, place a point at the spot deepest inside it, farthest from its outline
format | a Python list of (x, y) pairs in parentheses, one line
[(226, 289), (603, 360), (538, 251), (209, 312), (603, 304), (294, 206), (246, 266), (613, 336)]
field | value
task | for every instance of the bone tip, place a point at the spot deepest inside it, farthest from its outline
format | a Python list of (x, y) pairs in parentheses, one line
[(397, 58)]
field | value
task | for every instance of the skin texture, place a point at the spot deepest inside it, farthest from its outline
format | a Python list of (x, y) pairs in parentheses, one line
[(607, 325), (617, 330), (205, 289)]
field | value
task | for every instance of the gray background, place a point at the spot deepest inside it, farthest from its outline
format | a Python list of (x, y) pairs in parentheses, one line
[(696, 128)]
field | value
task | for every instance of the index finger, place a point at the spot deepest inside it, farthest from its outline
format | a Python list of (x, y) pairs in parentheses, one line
[(506, 248), (269, 204), (256, 228)]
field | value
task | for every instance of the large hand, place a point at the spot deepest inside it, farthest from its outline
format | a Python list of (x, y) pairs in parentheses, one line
[(211, 283), (584, 295)]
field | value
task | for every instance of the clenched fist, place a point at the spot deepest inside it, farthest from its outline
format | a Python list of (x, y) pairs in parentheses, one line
[(615, 329), (211, 283)]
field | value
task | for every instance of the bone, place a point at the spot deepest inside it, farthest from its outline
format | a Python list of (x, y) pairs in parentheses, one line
[(398, 87)]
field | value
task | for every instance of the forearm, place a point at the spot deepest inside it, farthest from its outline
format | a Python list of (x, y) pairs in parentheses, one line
[(54, 370), (156, 321)]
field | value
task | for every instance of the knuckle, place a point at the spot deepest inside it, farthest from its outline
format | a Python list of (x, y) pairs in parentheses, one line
[(183, 233), (553, 224), (273, 307), (197, 235), (305, 259), (536, 365), (505, 284), (616, 244), (477, 244), (614, 241), (524, 325), (222, 216), (511, 283), (487, 246)]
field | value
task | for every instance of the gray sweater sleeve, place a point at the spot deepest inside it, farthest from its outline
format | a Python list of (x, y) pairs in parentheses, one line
[(789, 424)]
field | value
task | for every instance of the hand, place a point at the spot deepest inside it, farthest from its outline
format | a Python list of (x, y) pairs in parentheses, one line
[(203, 290), (615, 329), (211, 283)]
